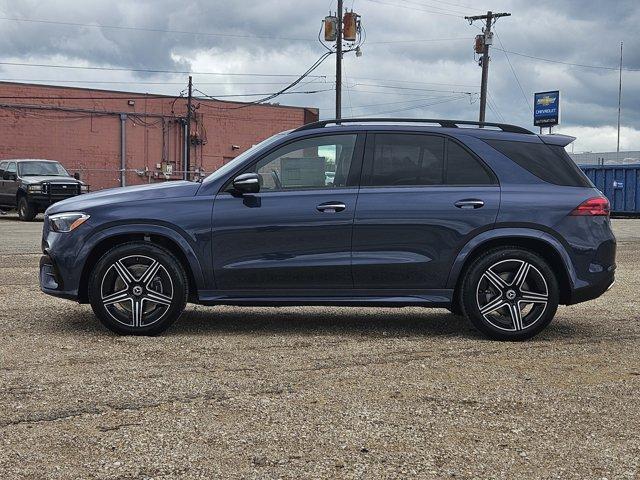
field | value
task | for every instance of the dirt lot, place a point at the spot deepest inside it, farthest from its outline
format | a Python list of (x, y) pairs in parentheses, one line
[(315, 392)]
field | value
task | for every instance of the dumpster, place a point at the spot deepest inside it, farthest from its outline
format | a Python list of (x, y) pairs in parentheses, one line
[(619, 183)]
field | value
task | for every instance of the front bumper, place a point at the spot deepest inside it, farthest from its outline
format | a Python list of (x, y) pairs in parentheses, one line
[(43, 200), (51, 282)]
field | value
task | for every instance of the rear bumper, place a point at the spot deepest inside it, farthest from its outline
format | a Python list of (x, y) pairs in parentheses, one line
[(594, 290)]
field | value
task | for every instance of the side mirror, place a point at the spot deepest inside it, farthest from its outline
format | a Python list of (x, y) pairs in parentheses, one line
[(76, 176), (247, 183)]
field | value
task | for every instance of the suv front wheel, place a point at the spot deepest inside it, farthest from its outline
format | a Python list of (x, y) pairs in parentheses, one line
[(138, 289), (510, 293)]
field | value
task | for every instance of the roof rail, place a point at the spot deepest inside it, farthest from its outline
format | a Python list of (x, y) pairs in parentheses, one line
[(505, 127)]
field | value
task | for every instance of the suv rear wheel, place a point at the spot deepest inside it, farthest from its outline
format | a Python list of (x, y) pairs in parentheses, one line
[(510, 293), (138, 289), (26, 211)]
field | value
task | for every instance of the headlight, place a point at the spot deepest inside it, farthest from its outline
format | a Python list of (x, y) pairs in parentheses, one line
[(66, 222), (84, 188), (34, 188)]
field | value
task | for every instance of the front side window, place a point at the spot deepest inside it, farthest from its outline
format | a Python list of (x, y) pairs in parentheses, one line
[(311, 163), (11, 170)]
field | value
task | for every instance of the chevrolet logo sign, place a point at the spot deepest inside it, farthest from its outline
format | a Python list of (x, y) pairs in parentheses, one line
[(64, 186), (546, 101)]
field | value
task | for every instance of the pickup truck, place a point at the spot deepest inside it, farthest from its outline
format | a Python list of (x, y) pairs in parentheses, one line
[(30, 186)]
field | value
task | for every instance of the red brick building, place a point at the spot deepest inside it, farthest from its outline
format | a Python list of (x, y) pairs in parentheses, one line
[(96, 132)]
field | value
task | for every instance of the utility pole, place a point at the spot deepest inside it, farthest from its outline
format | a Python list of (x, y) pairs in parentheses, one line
[(339, 63), (188, 136), (619, 104), (490, 18)]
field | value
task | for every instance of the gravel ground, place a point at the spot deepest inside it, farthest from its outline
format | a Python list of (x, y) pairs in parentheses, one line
[(315, 392)]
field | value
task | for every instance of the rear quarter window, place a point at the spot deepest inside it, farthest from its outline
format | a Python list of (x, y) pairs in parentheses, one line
[(550, 163)]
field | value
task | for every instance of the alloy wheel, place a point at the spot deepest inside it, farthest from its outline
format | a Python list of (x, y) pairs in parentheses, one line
[(512, 295), (137, 291)]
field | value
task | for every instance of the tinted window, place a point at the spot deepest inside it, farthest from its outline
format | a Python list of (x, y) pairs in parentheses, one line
[(3, 165), (312, 163), (464, 169), (404, 159), (548, 162)]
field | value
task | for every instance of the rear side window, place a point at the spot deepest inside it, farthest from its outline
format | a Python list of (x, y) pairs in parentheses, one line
[(407, 160), (550, 163), (464, 169), (421, 160)]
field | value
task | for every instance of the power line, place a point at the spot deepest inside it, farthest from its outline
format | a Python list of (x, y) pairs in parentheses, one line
[(124, 96), (524, 96), (413, 107), (410, 88), (411, 100), (154, 30), (430, 5), (415, 9), (132, 82), (315, 65), (147, 70), (414, 82), (420, 41), (601, 67)]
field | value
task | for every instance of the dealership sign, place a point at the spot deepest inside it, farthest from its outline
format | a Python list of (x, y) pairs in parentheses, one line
[(546, 109)]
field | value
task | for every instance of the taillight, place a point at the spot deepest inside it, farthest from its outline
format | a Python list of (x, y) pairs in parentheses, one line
[(596, 206)]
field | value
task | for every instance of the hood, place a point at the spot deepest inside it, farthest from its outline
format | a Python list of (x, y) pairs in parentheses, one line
[(30, 179), (138, 193)]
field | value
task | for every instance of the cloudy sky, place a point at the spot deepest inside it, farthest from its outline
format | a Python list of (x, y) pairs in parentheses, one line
[(417, 61)]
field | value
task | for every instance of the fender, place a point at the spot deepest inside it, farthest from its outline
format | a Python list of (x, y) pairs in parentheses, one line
[(479, 240), (145, 228)]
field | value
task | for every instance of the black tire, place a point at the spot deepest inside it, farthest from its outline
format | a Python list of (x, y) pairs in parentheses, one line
[(143, 299), (26, 211), (518, 301)]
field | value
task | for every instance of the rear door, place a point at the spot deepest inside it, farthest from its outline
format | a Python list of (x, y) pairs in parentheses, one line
[(423, 196)]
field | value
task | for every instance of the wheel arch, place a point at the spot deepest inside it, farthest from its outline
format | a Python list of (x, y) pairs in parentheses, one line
[(19, 194), (94, 250), (548, 247)]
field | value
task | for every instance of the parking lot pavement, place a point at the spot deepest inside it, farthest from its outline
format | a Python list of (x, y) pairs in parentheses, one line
[(315, 392)]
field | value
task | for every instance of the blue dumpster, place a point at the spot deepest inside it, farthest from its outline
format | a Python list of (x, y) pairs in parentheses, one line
[(620, 184)]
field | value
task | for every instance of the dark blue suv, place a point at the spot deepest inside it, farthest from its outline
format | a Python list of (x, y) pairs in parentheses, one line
[(488, 220)]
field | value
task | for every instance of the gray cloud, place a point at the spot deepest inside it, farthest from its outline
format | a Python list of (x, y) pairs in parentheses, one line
[(576, 31)]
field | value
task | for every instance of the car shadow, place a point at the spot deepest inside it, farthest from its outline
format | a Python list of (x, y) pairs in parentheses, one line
[(324, 321), (321, 321)]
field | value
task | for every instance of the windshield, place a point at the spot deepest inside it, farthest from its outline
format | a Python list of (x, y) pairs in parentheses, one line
[(30, 169), (227, 167)]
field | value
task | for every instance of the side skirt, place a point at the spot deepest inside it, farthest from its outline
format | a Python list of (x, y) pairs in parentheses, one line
[(352, 298)]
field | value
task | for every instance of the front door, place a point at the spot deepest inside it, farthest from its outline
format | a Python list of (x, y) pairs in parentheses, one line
[(295, 233), (423, 197), (9, 187)]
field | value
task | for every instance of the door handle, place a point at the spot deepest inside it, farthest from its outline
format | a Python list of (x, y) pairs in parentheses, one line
[(469, 203), (331, 207)]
